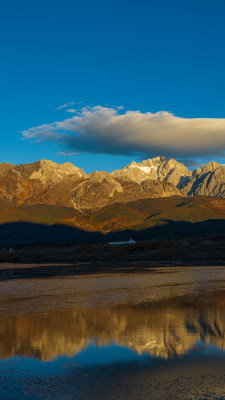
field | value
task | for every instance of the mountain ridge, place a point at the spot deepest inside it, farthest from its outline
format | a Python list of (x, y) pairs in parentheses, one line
[(47, 183)]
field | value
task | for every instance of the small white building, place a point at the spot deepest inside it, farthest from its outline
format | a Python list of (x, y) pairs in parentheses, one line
[(131, 241)]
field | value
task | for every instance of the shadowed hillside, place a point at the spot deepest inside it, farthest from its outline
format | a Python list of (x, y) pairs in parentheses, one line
[(156, 216)]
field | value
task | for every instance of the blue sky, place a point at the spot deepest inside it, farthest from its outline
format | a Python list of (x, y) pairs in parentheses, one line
[(151, 56)]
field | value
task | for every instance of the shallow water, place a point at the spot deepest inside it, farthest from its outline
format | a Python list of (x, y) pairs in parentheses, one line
[(103, 336)]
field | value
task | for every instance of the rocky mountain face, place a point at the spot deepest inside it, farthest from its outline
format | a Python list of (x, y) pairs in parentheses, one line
[(41, 182), (46, 182), (48, 172), (208, 181), (101, 189)]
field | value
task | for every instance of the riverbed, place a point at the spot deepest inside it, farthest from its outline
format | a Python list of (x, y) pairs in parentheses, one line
[(157, 334)]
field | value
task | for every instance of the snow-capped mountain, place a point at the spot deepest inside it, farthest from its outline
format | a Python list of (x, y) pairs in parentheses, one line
[(46, 182), (158, 168)]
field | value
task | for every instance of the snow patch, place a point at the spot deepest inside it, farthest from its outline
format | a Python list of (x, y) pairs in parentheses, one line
[(147, 170)]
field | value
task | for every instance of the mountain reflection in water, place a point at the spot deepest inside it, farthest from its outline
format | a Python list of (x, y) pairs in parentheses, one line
[(163, 329)]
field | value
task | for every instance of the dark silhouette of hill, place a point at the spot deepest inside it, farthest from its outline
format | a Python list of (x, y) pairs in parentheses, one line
[(157, 218), (173, 229), (22, 233)]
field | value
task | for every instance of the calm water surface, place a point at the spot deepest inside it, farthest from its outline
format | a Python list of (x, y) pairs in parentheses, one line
[(155, 335)]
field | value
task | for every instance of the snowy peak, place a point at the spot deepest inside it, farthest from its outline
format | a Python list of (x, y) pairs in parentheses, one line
[(158, 168), (138, 172)]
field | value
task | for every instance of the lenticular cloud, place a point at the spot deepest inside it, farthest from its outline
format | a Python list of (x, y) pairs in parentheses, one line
[(113, 131)]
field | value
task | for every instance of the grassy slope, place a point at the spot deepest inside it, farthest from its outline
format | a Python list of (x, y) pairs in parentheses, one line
[(137, 215), (145, 213), (41, 214)]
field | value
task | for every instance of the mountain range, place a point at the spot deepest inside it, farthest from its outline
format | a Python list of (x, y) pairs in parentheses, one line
[(139, 196), (162, 330), (46, 182)]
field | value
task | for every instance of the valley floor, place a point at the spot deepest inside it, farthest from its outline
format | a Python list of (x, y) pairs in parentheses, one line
[(81, 258)]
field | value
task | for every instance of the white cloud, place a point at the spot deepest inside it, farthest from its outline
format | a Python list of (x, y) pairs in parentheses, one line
[(67, 154), (71, 103), (113, 131), (72, 110)]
